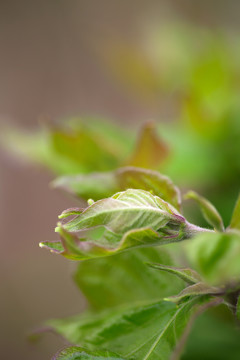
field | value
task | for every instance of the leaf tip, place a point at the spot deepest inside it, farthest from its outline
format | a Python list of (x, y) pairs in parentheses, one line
[(58, 227), (90, 202)]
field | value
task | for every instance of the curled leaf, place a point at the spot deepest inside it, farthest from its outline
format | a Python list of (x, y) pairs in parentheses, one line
[(188, 275), (209, 211), (129, 219)]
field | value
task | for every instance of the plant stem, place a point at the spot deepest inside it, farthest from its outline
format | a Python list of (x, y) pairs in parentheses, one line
[(192, 230)]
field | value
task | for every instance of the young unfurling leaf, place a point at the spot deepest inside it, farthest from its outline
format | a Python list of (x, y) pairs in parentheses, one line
[(197, 286), (133, 218)]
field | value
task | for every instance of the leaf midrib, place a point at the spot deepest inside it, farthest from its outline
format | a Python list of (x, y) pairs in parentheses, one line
[(162, 332), (145, 208)]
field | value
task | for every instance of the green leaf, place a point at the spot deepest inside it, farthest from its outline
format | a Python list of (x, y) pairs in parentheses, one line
[(129, 279), (101, 185), (186, 274), (79, 353), (133, 218), (149, 331), (215, 256), (210, 213), (235, 222), (75, 249)]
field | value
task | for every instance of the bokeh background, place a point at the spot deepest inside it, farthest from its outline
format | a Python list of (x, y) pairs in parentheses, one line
[(70, 58)]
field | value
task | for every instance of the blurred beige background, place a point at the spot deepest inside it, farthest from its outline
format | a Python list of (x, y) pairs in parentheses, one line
[(49, 68)]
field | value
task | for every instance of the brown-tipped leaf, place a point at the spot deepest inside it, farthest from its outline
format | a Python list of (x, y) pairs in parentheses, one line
[(150, 151)]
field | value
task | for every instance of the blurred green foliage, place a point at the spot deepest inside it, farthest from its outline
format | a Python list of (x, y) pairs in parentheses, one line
[(198, 72)]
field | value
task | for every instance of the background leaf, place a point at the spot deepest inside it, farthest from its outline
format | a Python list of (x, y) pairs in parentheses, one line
[(215, 256), (102, 185), (150, 150), (76, 146), (83, 150), (214, 336), (86, 145)]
